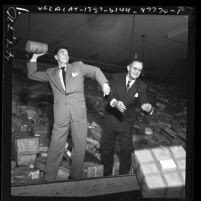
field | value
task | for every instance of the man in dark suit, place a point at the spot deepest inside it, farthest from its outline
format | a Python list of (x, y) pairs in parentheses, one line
[(126, 91), (67, 82)]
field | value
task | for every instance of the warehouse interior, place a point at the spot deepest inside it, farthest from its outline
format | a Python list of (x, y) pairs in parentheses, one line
[(109, 42)]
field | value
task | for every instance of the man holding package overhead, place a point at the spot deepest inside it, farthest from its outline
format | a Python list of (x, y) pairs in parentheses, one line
[(67, 82), (126, 91)]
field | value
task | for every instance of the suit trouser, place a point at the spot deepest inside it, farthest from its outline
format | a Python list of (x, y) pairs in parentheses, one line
[(57, 146), (107, 149)]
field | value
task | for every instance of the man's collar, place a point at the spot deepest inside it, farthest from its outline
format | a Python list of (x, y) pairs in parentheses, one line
[(60, 66), (127, 79)]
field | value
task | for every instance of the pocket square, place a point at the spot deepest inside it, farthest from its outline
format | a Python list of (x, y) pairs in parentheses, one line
[(74, 74), (136, 95)]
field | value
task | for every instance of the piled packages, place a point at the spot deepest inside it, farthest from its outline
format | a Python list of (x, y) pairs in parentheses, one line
[(26, 149), (24, 174), (31, 126), (94, 97), (91, 169), (150, 141), (40, 163), (170, 115), (168, 122), (95, 131), (27, 123), (26, 152), (63, 173), (23, 118), (64, 170), (39, 89), (95, 104), (161, 171), (93, 139), (21, 121), (93, 148), (41, 129)]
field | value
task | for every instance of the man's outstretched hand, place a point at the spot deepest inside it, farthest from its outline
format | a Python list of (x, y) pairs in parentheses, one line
[(119, 105), (147, 107), (35, 57), (106, 89)]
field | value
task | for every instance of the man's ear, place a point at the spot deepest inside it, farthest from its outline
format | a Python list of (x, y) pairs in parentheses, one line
[(56, 57), (128, 68)]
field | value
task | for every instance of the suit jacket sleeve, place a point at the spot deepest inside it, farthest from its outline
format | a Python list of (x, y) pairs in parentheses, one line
[(143, 96), (93, 73), (33, 74), (112, 89), (143, 93)]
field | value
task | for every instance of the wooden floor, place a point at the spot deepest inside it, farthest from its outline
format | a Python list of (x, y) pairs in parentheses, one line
[(81, 188)]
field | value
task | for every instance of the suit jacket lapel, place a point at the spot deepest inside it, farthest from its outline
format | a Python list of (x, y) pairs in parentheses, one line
[(122, 83), (133, 88)]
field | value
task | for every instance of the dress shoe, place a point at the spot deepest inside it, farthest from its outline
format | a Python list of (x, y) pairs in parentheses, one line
[(71, 178)]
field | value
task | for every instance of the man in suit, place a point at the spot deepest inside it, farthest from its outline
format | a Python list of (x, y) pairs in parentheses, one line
[(126, 91), (67, 85)]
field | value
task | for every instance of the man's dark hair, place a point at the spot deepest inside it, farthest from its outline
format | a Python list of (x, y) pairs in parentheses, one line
[(58, 48), (136, 60)]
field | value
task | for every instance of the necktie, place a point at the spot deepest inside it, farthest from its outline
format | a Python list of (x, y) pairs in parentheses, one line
[(64, 75), (128, 85)]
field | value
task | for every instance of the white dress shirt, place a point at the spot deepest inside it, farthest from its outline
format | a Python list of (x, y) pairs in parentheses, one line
[(131, 82)]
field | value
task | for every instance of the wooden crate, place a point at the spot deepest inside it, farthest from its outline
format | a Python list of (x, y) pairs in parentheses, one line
[(27, 145), (26, 159), (161, 171), (91, 169), (43, 149), (63, 173)]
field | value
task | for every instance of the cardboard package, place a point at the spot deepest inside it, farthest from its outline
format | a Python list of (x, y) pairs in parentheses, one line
[(26, 150), (91, 169), (63, 173), (27, 159), (161, 171), (27, 145)]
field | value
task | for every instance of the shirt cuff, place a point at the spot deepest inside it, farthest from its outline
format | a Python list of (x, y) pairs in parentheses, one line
[(105, 83), (33, 60), (151, 112), (111, 102)]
